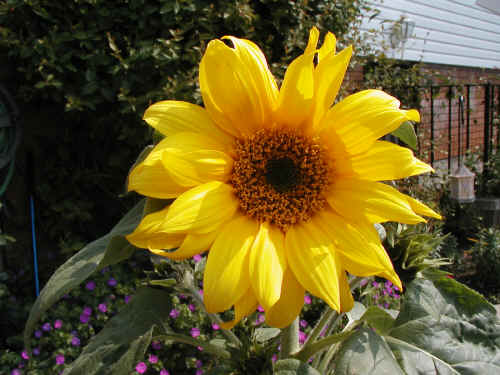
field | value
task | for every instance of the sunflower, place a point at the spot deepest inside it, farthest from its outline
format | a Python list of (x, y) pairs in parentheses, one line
[(281, 187)]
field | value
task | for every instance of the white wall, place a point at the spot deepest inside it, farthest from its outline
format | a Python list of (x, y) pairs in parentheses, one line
[(455, 32)]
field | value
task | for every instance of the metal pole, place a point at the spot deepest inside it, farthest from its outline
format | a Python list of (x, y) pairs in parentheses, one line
[(432, 128), (450, 94), (467, 145), (460, 121)]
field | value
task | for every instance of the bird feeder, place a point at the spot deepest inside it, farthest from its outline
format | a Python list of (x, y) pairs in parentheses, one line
[(462, 180)]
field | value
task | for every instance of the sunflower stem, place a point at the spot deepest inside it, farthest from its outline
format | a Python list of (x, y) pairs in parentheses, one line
[(290, 339)]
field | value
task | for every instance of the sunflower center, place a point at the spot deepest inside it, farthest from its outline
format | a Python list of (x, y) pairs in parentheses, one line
[(280, 176)]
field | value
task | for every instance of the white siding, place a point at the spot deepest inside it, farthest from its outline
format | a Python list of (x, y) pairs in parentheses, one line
[(455, 32)]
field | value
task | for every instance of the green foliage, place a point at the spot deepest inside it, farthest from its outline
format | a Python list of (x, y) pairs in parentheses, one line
[(410, 248), (101, 253), (443, 328), (116, 350), (485, 258), (399, 78)]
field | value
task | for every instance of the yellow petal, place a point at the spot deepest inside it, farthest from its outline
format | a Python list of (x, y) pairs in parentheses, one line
[(237, 86), (362, 118), (267, 264), (226, 278), (372, 201), (288, 307), (191, 245), (201, 209), (312, 43), (422, 209), (328, 77), (154, 181), (170, 117), (327, 47), (296, 93), (193, 159), (245, 306), (358, 244), (383, 161), (150, 233), (309, 253), (346, 299)]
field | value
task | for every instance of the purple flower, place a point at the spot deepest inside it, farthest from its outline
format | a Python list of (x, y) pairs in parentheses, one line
[(200, 292), (375, 284), (58, 324), (153, 358), (156, 345), (260, 308), (363, 282), (386, 305), (87, 311), (274, 358), (195, 332), (174, 313), (303, 323), (60, 359), (215, 326), (182, 296), (47, 327), (84, 318), (16, 372), (307, 299), (199, 371), (75, 341), (260, 319), (302, 337), (141, 368), (164, 372), (191, 307), (38, 333), (90, 285), (36, 351), (200, 348), (102, 307), (198, 363), (197, 258), (24, 354), (112, 282)]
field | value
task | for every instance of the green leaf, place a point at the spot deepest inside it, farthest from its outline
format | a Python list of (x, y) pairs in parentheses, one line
[(365, 352), (107, 250), (406, 133), (167, 283), (262, 335), (293, 367), (443, 328), (125, 339), (379, 319), (446, 328)]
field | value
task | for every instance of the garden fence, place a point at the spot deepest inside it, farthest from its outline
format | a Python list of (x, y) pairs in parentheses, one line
[(456, 119)]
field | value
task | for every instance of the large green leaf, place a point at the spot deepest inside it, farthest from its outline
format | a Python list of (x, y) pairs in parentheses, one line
[(443, 328), (107, 250), (124, 340), (293, 367), (446, 328)]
